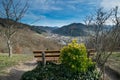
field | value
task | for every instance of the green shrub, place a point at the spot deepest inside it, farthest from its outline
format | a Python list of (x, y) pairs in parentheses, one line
[(74, 56), (58, 72)]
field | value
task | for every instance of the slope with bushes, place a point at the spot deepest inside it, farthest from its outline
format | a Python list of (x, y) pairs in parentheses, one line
[(26, 40)]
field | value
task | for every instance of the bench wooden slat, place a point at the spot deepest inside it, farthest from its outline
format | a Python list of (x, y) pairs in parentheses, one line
[(91, 50), (55, 55), (46, 52), (48, 59)]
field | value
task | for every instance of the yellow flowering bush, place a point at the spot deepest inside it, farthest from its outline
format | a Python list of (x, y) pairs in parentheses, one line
[(74, 56)]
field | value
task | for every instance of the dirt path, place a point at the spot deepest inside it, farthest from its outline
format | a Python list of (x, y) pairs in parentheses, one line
[(14, 73)]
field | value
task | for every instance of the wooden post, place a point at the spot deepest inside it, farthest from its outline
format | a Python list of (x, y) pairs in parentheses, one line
[(88, 54), (43, 59)]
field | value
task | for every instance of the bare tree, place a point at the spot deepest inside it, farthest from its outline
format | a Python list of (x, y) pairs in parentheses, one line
[(116, 27), (104, 39), (12, 11)]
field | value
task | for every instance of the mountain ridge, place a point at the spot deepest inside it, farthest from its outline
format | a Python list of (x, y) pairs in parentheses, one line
[(74, 29)]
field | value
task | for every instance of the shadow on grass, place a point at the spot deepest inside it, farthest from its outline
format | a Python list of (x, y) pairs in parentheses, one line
[(13, 75), (113, 75)]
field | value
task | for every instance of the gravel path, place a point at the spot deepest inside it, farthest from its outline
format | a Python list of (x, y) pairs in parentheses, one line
[(15, 73)]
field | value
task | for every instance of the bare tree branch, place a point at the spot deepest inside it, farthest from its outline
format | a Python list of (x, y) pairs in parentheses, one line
[(12, 12), (104, 40)]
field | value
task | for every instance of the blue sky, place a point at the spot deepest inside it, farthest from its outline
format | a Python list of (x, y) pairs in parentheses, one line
[(63, 12)]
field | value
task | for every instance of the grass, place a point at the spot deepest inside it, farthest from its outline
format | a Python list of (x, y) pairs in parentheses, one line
[(115, 56), (6, 62)]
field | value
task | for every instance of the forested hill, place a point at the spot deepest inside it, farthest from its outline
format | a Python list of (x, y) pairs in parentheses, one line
[(74, 29)]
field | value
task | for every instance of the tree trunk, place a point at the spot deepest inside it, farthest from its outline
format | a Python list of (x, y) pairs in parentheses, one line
[(9, 48)]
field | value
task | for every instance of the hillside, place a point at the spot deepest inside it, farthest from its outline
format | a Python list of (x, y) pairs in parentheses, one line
[(43, 28), (26, 40), (22, 26), (19, 25), (74, 29)]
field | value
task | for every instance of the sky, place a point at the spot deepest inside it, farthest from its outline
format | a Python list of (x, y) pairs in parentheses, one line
[(63, 12)]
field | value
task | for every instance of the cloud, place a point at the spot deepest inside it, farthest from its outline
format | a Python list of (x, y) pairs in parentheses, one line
[(52, 22), (59, 12), (31, 18), (61, 5), (44, 5), (109, 4), (56, 5)]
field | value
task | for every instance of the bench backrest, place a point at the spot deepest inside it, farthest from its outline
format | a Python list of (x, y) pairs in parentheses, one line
[(47, 55), (53, 55)]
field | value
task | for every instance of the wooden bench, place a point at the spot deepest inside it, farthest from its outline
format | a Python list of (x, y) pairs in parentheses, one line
[(50, 55), (90, 53)]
